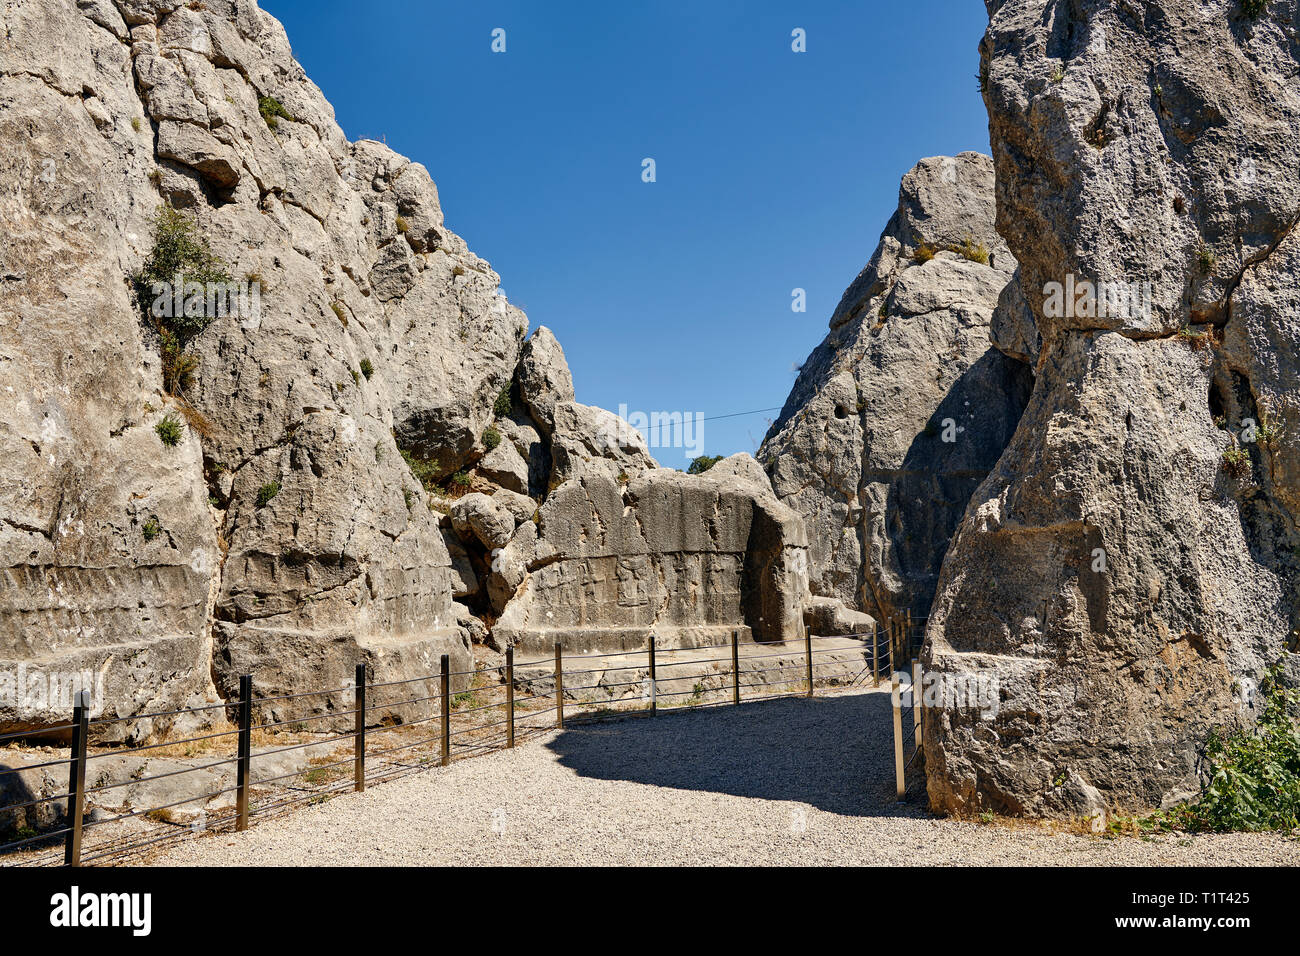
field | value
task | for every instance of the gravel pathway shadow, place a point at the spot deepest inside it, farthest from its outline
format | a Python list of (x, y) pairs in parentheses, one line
[(770, 750)]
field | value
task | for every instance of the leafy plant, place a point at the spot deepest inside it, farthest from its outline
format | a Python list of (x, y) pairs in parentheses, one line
[(178, 254), (170, 432), (403, 227), (1254, 775), (272, 111), (267, 492), (151, 529), (1236, 462), (1205, 258), (367, 369), (501, 407), (461, 479), (1253, 9), (425, 472), (491, 437), (703, 463)]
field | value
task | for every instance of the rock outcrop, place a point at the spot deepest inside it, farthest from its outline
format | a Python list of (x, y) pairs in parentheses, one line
[(283, 534), (272, 489), (905, 406), (1133, 562), (687, 558)]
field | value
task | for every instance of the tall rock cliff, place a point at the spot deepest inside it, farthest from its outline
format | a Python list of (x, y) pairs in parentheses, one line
[(1133, 562), (902, 410), (281, 488)]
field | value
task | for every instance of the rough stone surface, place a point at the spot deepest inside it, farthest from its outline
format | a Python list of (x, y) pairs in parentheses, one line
[(589, 441), (1120, 583), (543, 378), (356, 265), (902, 410), (685, 557)]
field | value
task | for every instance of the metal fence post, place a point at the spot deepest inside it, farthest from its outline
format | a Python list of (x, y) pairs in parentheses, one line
[(807, 649), (242, 780), (359, 741), (510, 696), (559, 686), (735, 667), (898, 736), (875, 655), (77, 777), (445, 690), (916, 700), (889, 635), (654, 690)]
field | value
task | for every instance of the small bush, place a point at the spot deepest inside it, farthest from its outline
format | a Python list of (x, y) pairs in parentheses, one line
[(461, 479), (1205, 258), (501, 407), (702, 464), (425, 472), (1254, 775), (1253, 9), (1236, 462), (151, 529), (170, 432), (403, 227), (135, 123), (272, 111), (924, 253), (339, 313), (491, 437), (267, 492), (1196, 340), (177, 251), (367, 369), (968, 248)]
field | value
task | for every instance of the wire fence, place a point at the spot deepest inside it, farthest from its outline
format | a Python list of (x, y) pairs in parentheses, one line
[(397, 727)]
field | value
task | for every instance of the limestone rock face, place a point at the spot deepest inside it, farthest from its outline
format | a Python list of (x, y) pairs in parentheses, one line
[(1119, 580), (98, 519), (688, 558), (901, 411), (159, 566), (544, 378), (591, 441)]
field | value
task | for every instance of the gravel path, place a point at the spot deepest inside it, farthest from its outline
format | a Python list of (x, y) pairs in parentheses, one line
[(773, 782)]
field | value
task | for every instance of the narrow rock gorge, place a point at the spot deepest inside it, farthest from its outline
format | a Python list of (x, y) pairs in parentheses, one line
[(1055, 416)]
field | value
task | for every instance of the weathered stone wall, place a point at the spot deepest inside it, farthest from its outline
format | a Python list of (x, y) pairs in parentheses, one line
[(688, 558), (377, 326), (905, 406), (1124, 582)]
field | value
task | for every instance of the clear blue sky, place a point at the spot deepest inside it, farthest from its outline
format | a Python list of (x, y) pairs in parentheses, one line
[(775, 170)]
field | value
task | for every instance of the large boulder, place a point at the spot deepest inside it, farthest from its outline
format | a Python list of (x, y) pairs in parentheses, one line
[(901, 411), (588, 441), (543, 378), (1132, 564)]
